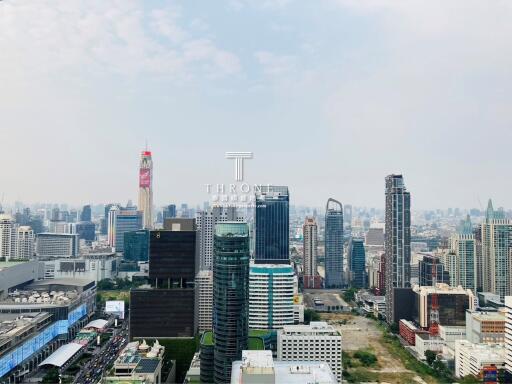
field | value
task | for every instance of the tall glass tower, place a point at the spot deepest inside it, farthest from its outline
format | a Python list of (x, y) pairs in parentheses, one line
[(397, 241), (230, 296), (333, 244), (146, 189), (272, 225), (357, 263)]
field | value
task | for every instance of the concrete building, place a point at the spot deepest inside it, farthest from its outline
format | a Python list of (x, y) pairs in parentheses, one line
[(485, 326), (93, 266), (317, 341), (204, 286), (140, 363), (333, 244), (146, 189), (397, 240), (25, 243), (508, 333), (7, 237), (310, 247), (424, 342), (56, 245), (450, 334), (471, 359), (16, 274), (258, 367), (463, 246), (206, 221), (271, 294), (496, 248)]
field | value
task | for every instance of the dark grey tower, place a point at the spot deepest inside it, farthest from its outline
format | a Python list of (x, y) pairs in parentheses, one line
[(397, 240), (333, 244)]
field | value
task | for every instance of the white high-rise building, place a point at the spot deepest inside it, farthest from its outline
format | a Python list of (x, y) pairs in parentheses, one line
[(111, 225), (7, 237), (496, 252), (508, 333), (317, 341), (271, 293), (204, 285), (205, 221), (25, 242), (310, 232), (463, 246), (146, 189)]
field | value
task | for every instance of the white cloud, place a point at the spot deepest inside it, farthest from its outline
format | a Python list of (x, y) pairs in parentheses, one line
[(274, 64)]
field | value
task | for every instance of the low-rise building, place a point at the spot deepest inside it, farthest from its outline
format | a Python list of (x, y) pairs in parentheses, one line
[(471, 359), (450, 334), (317, 341), (424, 342), (140, 363), (485, 326), (258, 367)]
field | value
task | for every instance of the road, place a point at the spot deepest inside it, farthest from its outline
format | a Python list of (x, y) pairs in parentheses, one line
[(93, 370)]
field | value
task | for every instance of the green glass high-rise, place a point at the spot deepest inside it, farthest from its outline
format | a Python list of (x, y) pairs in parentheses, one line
[(230, 296)]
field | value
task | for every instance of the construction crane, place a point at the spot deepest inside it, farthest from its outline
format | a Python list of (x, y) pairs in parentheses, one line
[(434, 309)]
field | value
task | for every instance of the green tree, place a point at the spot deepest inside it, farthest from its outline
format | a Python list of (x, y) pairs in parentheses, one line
[(51, 377), (431, 356), (349, 295), (310, 315), (366, 358), (469, 379)]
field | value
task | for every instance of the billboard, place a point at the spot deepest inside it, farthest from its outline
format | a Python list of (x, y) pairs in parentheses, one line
[(144, 178), (115, 307)]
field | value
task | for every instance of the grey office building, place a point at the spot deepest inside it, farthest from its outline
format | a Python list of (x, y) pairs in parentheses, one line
[(333, 244), (397, 240), (272, 225)]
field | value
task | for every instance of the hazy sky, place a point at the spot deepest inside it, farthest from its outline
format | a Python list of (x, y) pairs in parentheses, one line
[(330, 95)]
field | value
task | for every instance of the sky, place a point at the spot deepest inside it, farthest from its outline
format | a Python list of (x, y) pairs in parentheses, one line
[(329, 95)]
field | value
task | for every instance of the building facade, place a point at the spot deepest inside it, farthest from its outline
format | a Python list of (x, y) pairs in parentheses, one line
[(25, 243), (317, 341), (397, 240), (204, 286), (56, 245), (272, 225), (146, 189), (310, 233), (357, 263), (463, 246), (333, 244), (136, 245), (271, 294), (230, 296), (7, 236)]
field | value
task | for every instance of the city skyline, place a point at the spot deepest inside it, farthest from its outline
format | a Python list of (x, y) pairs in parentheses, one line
[(366, 77)]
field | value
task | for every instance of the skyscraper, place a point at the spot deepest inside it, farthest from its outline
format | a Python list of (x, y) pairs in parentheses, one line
[(120, 221), (230, 296), (25, 242), (310, 232), (206, 221), (7, 237), (463, 245), (496, 252), (333, 244), (146, 189), (357, 263), (86, 214), (272, 225), (397, 240)]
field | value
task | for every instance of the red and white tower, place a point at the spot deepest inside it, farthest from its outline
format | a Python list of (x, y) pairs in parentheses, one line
[(146, 189)]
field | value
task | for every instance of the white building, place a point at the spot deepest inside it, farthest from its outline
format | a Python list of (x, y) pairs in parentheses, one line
[(7, 237), (485, 326), (25, 243), (449, 334), (91, 267), (317, 341), (310, 232), (471, 358), (204, 285), (424, 342), (258, 367), (271, 294), (56, 245), (205, 221)]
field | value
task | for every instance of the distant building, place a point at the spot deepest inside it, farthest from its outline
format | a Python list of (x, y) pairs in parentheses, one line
[(7, 236), (471, 359), (86, 231), (56, 245), (95, 266), (272, 225), (146, 189), (271, 294), (169, 212), (397, 240), (375, 238), (463, 245), (204, 286), (86, 214), (333, 244), (485, 326), (357, 263), (310, 246), (122, 220), (259, 367), (426, 268), (136, 245), (230, 296), (25, 243), (317, 341), (496, 248)]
